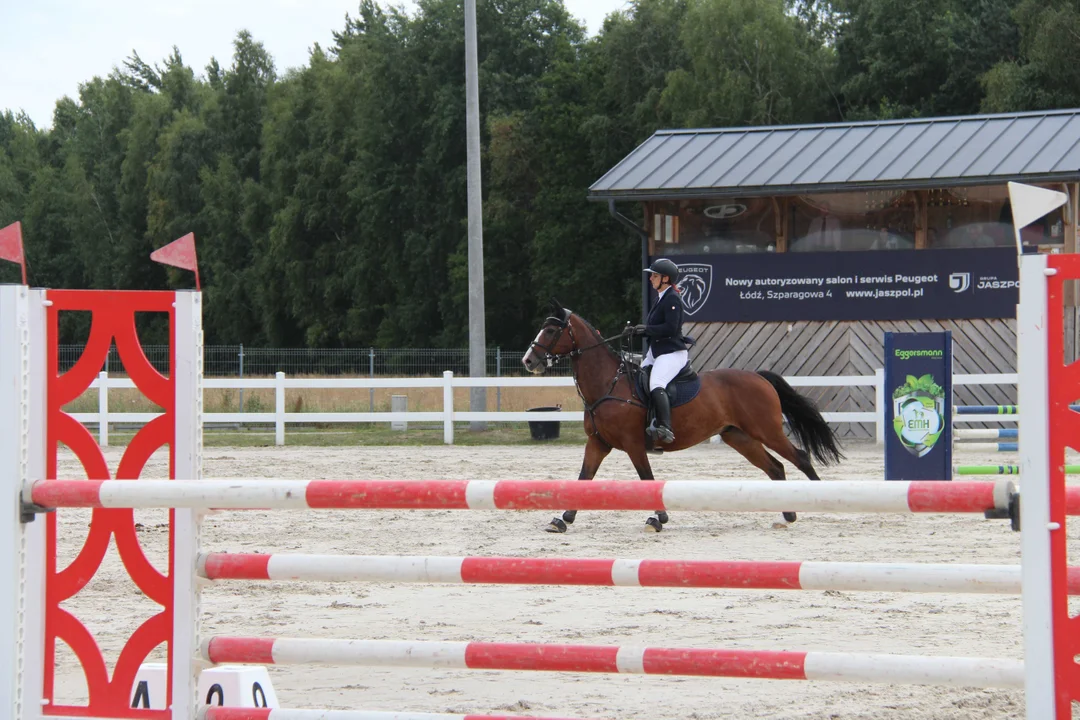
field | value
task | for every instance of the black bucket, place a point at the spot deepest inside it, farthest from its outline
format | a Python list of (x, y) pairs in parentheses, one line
[(547, 430)]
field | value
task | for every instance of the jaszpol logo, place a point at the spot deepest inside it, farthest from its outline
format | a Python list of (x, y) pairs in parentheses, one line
[(694, 286), (919, 414), (959, 282), (993, 283)]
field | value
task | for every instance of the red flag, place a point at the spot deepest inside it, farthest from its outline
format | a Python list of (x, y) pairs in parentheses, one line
[(180, 253), (11, 246)]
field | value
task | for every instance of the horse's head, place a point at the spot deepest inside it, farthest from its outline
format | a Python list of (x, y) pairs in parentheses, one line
[(551, 342)]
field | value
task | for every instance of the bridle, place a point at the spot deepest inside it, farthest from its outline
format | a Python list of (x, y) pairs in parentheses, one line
[(550, 356)]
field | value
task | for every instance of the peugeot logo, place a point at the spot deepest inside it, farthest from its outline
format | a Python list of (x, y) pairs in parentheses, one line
[(694, 286), (959, 282), (725, 212)]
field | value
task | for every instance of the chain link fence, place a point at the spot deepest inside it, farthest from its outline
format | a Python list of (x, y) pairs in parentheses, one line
[(240, 361)]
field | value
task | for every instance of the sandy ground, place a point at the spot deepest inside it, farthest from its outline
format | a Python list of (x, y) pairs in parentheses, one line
[(930, 624)]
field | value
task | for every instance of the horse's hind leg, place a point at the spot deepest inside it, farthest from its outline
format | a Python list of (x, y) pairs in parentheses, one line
[(778, 442), (595, 452), (756, 453)]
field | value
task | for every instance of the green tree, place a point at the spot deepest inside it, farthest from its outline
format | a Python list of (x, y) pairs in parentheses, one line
[(20, 161), (910, 58), (1046, 72), (753, 64)]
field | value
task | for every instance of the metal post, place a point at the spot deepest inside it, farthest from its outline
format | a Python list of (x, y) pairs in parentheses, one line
[(477, 342), (498, 373), (241, 376), (187, 343), (22, 456), (1034, 461), (33, 631), (371, 374), (644, 279)]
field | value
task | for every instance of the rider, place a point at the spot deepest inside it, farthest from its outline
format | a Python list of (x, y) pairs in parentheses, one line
[(667, 352)]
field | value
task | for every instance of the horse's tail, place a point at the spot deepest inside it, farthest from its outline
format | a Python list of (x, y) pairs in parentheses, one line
[(813, 433)]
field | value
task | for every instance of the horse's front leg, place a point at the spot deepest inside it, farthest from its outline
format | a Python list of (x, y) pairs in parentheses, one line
[(640, 458), (595, 452)]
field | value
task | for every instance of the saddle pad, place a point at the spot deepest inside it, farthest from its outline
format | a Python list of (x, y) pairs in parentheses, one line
[(679, 393), (683, 392)]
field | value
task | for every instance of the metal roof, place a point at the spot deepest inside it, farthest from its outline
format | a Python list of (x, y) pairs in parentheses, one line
[(922, 152)]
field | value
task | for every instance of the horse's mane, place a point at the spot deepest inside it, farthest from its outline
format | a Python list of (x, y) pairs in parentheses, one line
[(595, 333)]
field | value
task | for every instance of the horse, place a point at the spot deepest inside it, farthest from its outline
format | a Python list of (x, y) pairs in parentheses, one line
[(746, 409)]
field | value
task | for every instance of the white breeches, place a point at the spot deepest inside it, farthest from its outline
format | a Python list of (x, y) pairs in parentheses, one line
[(665, 367)]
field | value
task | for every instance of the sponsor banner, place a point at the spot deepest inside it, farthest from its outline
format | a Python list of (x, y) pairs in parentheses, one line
[(918, 406), (876, 285)]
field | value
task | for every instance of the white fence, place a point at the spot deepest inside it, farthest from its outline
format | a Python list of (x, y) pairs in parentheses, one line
[(448, 415)]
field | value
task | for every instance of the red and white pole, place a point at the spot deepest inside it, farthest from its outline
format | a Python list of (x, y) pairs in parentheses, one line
[(763, 664), (838, 496), (736, 574), (222, 713)]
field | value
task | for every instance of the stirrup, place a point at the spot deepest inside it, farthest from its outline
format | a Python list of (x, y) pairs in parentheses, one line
[(660, 433)]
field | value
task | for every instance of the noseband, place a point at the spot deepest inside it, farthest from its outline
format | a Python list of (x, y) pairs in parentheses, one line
[(550, 356)]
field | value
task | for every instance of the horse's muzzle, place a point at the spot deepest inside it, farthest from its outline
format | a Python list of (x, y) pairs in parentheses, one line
[(532, 363)]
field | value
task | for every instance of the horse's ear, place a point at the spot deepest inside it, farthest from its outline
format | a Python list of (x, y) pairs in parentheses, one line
[(557, 309)]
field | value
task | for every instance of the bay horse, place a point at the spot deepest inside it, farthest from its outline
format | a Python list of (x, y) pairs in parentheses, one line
[(746, 409)]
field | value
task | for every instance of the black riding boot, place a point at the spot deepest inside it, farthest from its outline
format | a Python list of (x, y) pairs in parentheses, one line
[(663, 415)]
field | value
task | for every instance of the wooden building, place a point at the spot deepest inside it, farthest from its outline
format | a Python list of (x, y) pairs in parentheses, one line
[(802, 245)]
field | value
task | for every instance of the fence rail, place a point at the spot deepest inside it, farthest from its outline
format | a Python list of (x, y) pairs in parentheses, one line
[(239, 361), (281, 383)]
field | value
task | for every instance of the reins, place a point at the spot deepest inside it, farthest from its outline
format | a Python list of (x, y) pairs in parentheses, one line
[(551, 357)]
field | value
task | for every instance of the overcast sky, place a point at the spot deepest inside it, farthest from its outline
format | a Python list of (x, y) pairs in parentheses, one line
[(48, 47)]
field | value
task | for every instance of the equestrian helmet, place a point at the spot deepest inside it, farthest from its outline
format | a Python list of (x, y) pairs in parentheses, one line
[(663, 266)]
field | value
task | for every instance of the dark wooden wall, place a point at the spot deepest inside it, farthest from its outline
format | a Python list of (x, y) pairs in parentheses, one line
[(855, 348)]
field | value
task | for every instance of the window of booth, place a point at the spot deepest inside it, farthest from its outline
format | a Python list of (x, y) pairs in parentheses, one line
[(869, 220), (961, 217), (728, 225), (974, 217), (665, 225)]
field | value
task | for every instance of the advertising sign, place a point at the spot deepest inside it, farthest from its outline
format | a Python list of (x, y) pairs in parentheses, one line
[(879, 285), (918, 406)]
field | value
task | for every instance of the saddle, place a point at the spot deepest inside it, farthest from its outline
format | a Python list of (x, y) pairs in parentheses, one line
[(683, 388)]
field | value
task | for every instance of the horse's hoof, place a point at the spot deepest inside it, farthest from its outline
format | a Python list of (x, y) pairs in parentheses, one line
[(662, 517), (556, 526), (569, 516), (790, 517), (653, 525)]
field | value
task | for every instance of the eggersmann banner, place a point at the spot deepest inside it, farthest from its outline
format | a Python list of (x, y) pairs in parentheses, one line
[(918, 406)]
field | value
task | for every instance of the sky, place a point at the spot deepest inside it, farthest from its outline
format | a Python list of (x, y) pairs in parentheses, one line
[(49, 47)]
